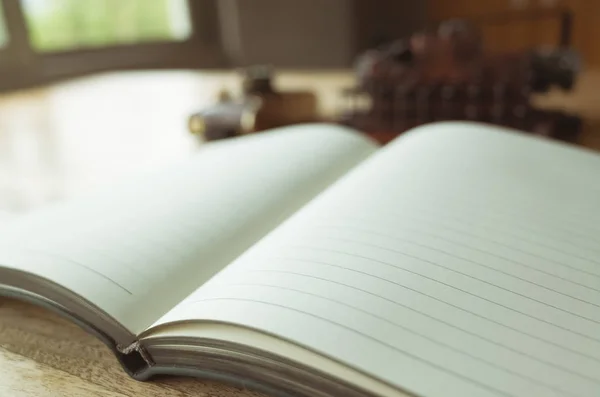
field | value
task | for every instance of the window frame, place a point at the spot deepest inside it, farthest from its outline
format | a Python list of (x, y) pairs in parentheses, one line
[(10, 57), (26, 67)]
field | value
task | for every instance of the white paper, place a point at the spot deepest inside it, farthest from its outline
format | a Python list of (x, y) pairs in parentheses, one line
[(461, 260)]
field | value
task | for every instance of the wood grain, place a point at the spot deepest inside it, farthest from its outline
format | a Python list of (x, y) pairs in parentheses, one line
[(22, 377), (42, 354)]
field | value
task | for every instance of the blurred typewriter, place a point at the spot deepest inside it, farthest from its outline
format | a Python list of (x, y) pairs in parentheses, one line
[(445, 74), (261, 106)]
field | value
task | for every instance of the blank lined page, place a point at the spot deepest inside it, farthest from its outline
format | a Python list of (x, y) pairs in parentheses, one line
[(138, 250), (461, 260)]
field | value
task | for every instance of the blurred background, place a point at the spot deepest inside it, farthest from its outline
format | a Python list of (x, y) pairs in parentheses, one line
[(43, 40), (47, 39), (95, 90)]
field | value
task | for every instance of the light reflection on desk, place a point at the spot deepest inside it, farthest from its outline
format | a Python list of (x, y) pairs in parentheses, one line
[(66, 139), (85, 134)]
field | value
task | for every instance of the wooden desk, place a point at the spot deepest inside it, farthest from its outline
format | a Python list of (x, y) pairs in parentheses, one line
[(82, 135)]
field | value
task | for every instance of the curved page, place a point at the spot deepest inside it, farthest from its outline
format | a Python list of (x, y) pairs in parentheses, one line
[(461, 260), (139, 249)]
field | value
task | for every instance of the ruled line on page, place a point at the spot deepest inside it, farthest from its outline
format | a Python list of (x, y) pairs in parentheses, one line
[(489, 211), (432, 213), (462, 274), (496, 379), (454, 287), (462, 309), (373, 339), (512, 247), (402, 217), (374, 233), (468, 246), (396, 324), (441, 344), (443, 302), (408, 308), (79, 264), (473, 198), (520, 237), (498, 208), (112, 253)]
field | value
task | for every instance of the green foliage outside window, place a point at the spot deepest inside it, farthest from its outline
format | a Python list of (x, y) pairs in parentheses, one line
[(3, 33), (56, 25)]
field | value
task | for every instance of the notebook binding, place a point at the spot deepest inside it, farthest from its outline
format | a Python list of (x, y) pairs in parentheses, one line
[(137, 349)]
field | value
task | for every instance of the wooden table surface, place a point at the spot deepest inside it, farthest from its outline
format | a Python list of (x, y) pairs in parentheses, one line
[(58, 141)]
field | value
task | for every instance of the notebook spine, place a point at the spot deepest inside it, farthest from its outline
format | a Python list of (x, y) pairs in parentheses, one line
[(134, 357)]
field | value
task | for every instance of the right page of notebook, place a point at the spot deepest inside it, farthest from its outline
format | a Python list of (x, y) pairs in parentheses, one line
[(462, 260)]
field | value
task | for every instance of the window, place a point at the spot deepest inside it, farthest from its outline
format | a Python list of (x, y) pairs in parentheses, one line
[(49, 40), (3, 30), (67, 25)]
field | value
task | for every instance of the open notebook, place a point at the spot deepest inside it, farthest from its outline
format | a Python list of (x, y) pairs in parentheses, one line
[(459, 260)]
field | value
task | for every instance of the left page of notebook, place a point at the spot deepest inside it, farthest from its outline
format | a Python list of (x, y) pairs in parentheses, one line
[(139, 249)]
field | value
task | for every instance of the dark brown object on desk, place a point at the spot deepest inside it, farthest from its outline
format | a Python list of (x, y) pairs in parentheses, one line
[(260, 107), (445, 74)]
